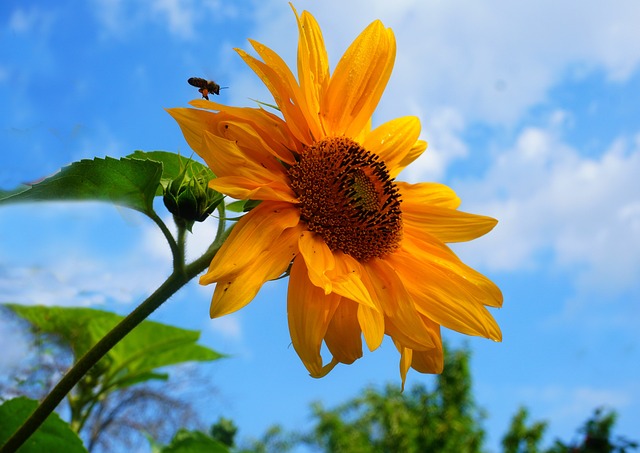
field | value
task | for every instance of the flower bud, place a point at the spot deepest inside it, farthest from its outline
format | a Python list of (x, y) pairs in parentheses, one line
[(189, 198)]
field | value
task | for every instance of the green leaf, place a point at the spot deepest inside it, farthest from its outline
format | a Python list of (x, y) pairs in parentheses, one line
[(142, 377), (193, 442), (53, 436), (172, 166), (9, 193), (236, 206), (126, 182), (149, 346), (242, 205)]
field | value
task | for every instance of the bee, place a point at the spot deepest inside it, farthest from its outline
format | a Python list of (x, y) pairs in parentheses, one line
[(205, 86)]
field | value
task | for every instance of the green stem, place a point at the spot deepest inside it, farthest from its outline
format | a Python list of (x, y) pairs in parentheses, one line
[(175, 281), (175, 251)]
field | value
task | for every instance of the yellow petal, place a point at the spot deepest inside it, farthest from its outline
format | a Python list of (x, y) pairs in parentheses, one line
[(446, 225), (243, 188), (406, 356), (234, 292), (254, 145), (358, 81), (372, 326), (313, 68), (283, 87), (393, 141), (440, 295), (432, 360), (398, 306), (416, 151), (309, 312), (346, 280), (469, 282), (319, 259), (193, 123), (415, 196), (254, 233), (226, 159), (344, 338), (271, 128)]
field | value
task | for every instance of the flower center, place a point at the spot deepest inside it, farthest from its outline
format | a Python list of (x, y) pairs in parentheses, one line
[(348, 198)]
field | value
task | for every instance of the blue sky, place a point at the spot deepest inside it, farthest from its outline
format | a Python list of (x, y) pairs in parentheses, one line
[(532, 114)]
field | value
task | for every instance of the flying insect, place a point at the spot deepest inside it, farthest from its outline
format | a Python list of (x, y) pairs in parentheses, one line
[(205, 86)]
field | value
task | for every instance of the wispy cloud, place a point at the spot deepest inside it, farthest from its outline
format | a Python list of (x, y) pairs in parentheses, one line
[(30, 21), (179, 18), (549, 198), (75, 269), (490, 60), (577, 402)]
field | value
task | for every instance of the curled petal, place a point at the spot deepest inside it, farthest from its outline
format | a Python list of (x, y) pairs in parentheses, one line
[(393, 142), (269, 127), (309, 312), (319, 259), (416, 151), (344, 337), (430, 361), (247, 175), (346, 280), (193, 124)]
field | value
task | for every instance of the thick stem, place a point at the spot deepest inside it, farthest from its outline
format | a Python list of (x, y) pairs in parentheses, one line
[(175, 281)]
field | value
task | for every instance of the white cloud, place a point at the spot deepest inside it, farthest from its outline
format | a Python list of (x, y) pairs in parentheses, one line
[(445, 145), (490, 60), (180, 18), (574, 402), (119, 17), (33, 20), (73, 270), (549, 198), (229, 326), (179, 15)]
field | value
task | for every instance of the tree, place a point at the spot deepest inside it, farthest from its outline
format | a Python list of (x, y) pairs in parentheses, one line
[(445, 419), (521, 438), (119, 399), (597, 437)]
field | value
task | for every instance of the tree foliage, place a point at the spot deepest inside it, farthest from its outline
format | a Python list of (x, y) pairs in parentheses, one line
[(523, 438), (445, 419), (597, 437), (116, 401)]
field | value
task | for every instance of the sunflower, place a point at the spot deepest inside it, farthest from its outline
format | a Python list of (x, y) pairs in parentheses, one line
[(366, 253)]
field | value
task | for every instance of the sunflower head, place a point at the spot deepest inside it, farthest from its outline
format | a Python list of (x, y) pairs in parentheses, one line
[(366, 253), (347, 197)]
